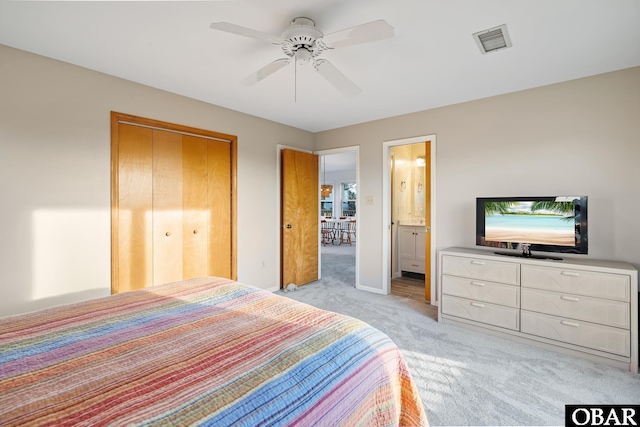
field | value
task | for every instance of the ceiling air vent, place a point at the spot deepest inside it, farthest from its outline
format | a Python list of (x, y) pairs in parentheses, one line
[(493, 39)]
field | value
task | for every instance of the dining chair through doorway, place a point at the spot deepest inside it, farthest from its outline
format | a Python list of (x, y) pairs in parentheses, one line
[(328, 232), (348, 232)]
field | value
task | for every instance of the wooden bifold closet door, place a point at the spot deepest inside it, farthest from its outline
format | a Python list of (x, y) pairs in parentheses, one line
[(172, 204)]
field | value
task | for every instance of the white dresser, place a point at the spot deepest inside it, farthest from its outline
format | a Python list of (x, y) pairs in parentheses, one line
[(583, 307)]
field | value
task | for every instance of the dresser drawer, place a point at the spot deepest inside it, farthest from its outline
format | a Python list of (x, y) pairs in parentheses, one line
[(595, 284), (607, 312), (494, 271), (412, 265), (481, 290), (483, 312), (584, 334)]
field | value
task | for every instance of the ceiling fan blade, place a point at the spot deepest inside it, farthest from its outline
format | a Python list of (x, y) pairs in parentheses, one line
[(336, 78), (246, 32), (265, 71), (373, 31)]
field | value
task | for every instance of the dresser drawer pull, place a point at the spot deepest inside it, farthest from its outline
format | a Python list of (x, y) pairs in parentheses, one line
[(570, 273), (566, 298), (477, 262), (566, 322), (477, 283), (477, 304)]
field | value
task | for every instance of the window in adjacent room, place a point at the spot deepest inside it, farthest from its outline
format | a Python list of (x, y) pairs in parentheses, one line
[(348, 199), (326, 205)]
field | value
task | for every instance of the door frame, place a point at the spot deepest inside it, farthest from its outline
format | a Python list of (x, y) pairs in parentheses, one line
[(356, 149), (116, 118), (386, 210)]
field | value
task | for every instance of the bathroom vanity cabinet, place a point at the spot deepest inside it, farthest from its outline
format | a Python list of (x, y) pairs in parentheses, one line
[(411, 248)]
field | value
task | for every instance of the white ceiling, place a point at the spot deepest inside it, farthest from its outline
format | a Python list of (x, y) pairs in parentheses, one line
[(338, 162), (432, 61)]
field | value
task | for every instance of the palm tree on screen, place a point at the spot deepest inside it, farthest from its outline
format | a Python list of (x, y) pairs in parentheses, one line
[(566, 209), (498, 208)]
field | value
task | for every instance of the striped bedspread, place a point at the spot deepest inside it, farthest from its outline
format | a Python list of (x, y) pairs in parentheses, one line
[(207, 351)]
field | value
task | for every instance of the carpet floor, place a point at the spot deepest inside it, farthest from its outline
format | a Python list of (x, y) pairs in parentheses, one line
[(467, 377)]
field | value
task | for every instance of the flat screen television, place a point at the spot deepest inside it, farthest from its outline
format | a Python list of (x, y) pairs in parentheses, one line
[(547, 224)]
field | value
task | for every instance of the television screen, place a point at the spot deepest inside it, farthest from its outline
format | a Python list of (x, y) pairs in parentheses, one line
[(548, 224)]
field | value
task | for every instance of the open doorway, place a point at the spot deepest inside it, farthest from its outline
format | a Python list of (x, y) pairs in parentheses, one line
[(408, 202), (338, 240)]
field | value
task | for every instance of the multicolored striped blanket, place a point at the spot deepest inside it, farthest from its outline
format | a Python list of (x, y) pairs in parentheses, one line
[(207, 351)]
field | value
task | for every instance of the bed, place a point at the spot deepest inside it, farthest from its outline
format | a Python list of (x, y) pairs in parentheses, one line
[(207, 351)]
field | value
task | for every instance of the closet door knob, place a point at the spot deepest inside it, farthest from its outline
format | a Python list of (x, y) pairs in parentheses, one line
[(195, 231), (168, 233)]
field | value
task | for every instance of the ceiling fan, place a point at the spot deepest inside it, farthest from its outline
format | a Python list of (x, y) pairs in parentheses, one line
[(303, 43)]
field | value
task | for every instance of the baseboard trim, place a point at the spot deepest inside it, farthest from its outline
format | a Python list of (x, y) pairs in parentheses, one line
[(372, 290)]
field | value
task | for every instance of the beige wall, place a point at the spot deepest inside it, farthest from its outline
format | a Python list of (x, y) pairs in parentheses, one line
[(55, 178), (578, 137)]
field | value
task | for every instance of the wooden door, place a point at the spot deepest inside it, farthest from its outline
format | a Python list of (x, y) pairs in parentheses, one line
[(221, 208), (299, 238), (173, 204), (195, 205), (191, 207), (427, 221), (167, 207), (132, 207)]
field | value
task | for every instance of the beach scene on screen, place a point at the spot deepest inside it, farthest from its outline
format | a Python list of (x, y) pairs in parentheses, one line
[(518, 222)]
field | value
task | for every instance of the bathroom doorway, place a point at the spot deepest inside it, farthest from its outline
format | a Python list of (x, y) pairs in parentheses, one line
[(408, 201)]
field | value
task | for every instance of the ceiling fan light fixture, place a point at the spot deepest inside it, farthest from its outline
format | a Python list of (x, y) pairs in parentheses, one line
[(493, 39), (303, 56)]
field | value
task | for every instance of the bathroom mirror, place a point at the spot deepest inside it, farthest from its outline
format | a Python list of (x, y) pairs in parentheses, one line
[(418, 187)]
